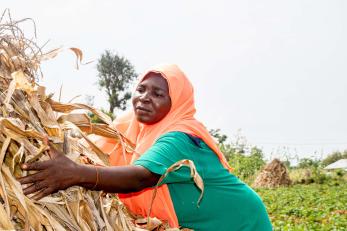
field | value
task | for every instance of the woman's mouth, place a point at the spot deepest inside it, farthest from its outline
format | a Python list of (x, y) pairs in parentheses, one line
[(142, 109)]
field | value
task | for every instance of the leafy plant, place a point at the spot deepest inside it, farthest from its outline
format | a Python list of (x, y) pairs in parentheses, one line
[(307, 207), (309, 163)]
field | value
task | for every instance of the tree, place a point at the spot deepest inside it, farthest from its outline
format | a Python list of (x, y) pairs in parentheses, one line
[(245, 166), (221, 138), (245, 159), (257, 157), (115, 75), (308, 163), (333, 157)]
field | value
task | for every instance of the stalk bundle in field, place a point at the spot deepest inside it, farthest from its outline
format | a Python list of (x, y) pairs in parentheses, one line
[(27, 114), (273, 175)]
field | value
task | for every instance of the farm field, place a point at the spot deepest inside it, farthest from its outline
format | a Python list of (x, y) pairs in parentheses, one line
[(307, 207)]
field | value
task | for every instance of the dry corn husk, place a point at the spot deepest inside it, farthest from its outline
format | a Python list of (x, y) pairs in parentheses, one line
[(273, 175), (27, 115)]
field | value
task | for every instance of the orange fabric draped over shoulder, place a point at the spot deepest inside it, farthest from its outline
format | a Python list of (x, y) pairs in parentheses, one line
[(180, 118)]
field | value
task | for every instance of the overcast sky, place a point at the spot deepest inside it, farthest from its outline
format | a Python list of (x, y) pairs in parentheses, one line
[(274, 69)]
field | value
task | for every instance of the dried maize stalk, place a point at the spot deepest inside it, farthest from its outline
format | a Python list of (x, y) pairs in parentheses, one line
[(27, 115)]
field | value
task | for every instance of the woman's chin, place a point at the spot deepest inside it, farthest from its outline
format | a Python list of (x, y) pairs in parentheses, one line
[(144, 119)]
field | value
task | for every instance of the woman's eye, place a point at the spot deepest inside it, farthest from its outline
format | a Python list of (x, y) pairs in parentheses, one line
[(156, 94), (140, 89)]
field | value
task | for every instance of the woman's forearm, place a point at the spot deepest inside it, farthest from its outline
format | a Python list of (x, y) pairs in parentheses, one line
[(122, 179), (60, 173)]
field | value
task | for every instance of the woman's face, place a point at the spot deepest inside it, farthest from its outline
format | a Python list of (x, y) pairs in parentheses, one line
[(151, 100)]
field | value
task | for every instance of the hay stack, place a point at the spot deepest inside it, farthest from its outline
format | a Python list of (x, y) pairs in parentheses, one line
[(27, 114), (273, 175)]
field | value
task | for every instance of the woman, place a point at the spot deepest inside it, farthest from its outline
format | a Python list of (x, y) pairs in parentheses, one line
[(163, 127)]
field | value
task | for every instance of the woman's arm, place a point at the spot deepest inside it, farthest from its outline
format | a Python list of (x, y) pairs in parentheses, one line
[(60, 173), (122, 179)]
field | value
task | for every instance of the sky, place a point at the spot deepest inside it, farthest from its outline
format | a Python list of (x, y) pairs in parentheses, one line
[(272, 71)]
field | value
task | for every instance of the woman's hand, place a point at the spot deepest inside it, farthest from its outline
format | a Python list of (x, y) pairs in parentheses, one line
[(56, 174)]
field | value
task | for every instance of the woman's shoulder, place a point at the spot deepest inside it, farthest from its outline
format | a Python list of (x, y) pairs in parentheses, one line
[(175, 136), (180, 140)]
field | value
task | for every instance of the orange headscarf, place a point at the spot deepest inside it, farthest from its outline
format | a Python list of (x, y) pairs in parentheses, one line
[(180, 118)]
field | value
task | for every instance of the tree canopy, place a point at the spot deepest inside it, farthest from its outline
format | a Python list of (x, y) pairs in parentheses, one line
[(115, 76)]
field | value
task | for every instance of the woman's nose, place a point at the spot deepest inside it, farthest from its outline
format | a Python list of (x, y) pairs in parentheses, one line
[(144, 97)]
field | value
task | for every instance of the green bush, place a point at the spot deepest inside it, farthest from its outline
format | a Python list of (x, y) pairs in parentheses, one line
[(246, 166), (317, 175)]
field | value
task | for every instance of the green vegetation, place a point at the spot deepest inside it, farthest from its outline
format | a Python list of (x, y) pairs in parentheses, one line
[(246, 166), (115, 76), (335, 156), (317, 199), (307, 207)]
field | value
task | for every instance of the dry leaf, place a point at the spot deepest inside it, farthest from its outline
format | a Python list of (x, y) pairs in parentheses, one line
[(27, 114), (79, 55), (51, 54)]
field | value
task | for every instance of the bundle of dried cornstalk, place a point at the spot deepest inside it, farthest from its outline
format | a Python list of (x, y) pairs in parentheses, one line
[(27, 114), (274, 174)]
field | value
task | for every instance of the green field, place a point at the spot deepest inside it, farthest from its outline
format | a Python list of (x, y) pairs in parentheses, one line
[(307, 207)]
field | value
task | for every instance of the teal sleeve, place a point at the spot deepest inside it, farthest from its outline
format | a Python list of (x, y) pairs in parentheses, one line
[(167, 150)]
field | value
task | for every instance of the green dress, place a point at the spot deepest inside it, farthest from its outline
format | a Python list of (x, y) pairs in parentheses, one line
[(227, 202)]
